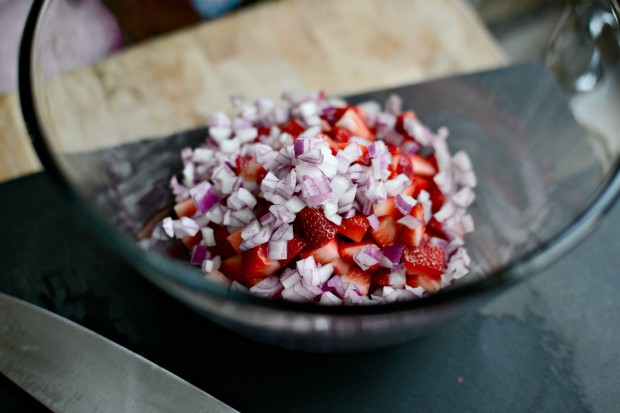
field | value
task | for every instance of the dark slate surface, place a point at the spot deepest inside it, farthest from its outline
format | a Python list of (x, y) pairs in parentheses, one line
[(551, 344)]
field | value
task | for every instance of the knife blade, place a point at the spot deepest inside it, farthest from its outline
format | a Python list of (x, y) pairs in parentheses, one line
[(69, 368)]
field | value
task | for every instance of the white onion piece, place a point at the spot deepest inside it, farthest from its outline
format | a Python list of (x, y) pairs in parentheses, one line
[(277, 250)]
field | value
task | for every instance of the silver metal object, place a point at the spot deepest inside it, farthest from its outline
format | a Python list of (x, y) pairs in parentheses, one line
[(69, 368)]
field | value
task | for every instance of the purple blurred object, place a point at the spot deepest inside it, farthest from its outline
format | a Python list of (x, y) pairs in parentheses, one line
[(89, 34)]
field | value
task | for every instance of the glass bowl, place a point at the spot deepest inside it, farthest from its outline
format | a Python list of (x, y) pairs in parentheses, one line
[(541, 127)]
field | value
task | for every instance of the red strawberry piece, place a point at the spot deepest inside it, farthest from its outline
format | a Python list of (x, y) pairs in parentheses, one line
[(435, 229), (347, 250), (340, 266), (264, 131), (437, 198), (413, 237), (323, 254), (387, 232), (231, 267), (429, 262), (353, 122), (354, 228), (387, 207), (256, 263), (418, 185), (179, 250), (294, 128), (185, 208), (293, 247), (235, 240), (340, 135), (241, 162), (381, 277), (222, 246), (250, 169), (333, 115), (192, 241), (360, 279), (400, 120), (422, 166), (317, 229)]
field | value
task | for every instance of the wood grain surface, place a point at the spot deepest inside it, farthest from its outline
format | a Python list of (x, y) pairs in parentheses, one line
[(173, 82)]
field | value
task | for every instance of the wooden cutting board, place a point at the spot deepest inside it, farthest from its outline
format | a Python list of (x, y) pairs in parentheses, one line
[(174, 82)]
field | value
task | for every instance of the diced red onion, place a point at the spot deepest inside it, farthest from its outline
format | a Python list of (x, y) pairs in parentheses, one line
[(447, 210), (393, 138), (244, 216), (168, 226), (328, 298), (237, 286), (468, 223), (270, 182), (208, 236), (277, 250), (367, 257), (185, 227), (267, 288), (295, 204), (394, 253), (199, 254), (404, 203), (410, 147), (347, 197), (464, 197), (216, 214), (220, 134), (263, 236), (314, 156), (344, 161), (316, 191), (397, 185), (410, 222), (250, 230), (282, 214), (289, 278), (358, 174)]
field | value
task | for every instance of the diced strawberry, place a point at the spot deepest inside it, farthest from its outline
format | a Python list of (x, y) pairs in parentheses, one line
[(186, 208), (260, 175), (381, 277), (231, 267), (235, 240), (178, 250), (425, 261), (422, 166), (250, 169), (359, 278), (294, 128), (252, 282), (353, 122), (387, 232), (222, 246), (364, 158), (435, 228), (340, 266), (401, 164), (241, 162), (264, 131), (190, 242), (323, 254), (317, 229), (413, 237), (293, 247), (256, 263), (340, 135), (418, 185), (387, 207), (347, 250), (436, 196), (400, 120), (354, 228)]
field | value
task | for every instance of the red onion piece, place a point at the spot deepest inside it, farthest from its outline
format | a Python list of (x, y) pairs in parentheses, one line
[(367, 257), (328, 298), (199, 254), (404, 203), (394, 253), (277, 250), (410, 222), (316, 191)]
